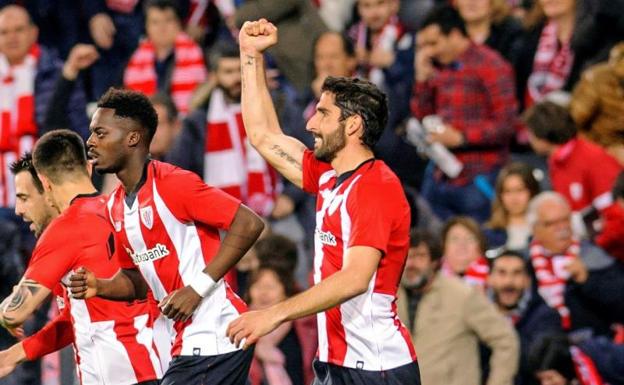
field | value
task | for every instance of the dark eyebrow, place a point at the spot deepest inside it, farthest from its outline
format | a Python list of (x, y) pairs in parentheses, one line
[(322, 109), (21, 195)]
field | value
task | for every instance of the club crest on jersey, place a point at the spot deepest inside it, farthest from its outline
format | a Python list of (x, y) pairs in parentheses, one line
[(147, 216), (326, 237)]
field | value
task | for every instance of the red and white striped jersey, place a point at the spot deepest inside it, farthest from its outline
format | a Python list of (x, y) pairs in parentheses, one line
[(113, 341), (366, 207), (170, 232)]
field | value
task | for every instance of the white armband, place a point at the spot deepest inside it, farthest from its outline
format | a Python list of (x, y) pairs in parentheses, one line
[(203, 284)]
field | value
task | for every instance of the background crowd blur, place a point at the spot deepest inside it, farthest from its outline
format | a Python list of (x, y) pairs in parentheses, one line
[(506, 129)]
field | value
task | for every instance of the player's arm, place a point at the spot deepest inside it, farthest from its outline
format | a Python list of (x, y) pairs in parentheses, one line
[(125, 285), (10, 358), (360, 263), (25, 299), (283, 152), (241, 235)]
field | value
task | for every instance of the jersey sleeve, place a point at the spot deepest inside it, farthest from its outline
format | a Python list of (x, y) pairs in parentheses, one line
[(371, 217), (191, 200), (57, 334), (312, 171), (52, 258)]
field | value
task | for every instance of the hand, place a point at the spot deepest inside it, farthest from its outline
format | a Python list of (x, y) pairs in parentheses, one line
[(317, 84), (80, 57), (10, 357), (449, 137), (381, 58), (180, 305), (252, 325), (102, 30), (17, 332), (423, 65), (83, 284), (284, 206), (578, 270), (196, 32), (257, 36)]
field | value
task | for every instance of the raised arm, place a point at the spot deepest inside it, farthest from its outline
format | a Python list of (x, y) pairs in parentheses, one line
[(283, 152)]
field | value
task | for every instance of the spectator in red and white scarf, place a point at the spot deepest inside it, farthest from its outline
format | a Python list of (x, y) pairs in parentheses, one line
[(579, 280), (213, 142), (464, 248), (168, 60)]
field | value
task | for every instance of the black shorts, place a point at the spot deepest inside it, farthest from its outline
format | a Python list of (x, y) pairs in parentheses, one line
[(328, 374), (224, 369)]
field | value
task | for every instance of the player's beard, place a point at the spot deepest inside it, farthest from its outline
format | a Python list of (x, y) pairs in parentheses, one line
[(331, 144)]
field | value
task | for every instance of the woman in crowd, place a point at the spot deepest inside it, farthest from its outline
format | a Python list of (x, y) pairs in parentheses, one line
[(490, 22), (464, 247), (283, 357), (508, 227)]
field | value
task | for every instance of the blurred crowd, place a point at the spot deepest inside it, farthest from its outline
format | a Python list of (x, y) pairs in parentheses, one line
[(506, 129)]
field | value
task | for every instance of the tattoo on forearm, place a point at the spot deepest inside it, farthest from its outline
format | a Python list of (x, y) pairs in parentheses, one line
[(26, 290), (249, 60), (279, 151)]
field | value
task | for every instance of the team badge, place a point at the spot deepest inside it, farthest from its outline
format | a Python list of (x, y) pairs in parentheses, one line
[(147, 216)]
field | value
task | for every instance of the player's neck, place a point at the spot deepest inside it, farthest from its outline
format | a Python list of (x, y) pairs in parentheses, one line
[(349, 158), (65, 193), (130, 176)]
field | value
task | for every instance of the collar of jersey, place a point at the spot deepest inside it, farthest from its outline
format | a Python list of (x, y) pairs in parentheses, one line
[(345, 175)]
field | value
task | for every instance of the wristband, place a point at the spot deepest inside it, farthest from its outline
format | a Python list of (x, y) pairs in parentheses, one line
[(203, 284)]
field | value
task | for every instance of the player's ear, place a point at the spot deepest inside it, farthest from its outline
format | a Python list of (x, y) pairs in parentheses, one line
[(45, 182), (353, 124), (134, 138)]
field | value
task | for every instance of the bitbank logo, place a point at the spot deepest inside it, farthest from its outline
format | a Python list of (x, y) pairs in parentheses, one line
[(157, 252), (326, 237)]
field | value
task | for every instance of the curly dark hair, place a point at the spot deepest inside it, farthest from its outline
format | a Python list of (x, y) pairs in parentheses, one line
[(360, 97), (132, 105)]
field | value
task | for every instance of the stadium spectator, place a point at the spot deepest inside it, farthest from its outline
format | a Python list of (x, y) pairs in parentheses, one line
[(463, 249), (213, 143), (562, 38), (512, 291), (115, 28), (169, 126), (580, 170), (576, 278), (448, 319), (490, 22), (285, 355), (508, 227), (32, 78), (470, 87), (167, 60), (597, 104), (611, 238), (342, 172)]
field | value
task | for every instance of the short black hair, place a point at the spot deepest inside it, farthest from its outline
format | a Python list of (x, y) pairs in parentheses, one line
[(347, 43), (60, 153), (360, 97), (132, 105), (447, 18), (277, 251), (163, 5), (25, 164), (162, 99), (223, 49), (513, 254), (418, 237), (552, 352), (551, 122)]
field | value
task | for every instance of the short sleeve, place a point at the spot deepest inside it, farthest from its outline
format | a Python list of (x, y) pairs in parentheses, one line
[(191, 200), (121, 254), (52, 258), (371, 217), (312, 171)]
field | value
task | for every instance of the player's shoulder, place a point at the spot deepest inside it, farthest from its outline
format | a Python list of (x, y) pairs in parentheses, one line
[(163, 172), (380, 176)]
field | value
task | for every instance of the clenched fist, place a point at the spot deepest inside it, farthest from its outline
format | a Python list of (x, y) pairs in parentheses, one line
[(257, 36)]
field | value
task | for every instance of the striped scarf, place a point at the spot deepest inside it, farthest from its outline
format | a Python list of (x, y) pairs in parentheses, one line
[(552, 277), (230, 163), (18, 125), (551, 66), (585, 368), (189, 71), (122, 6), (386, 40)]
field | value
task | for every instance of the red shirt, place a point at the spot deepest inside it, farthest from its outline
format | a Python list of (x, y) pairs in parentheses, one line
[(114, 331), (584, 173), (365, 208)]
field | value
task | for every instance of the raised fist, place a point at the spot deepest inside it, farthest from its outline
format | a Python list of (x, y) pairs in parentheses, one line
[(257, 36)]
